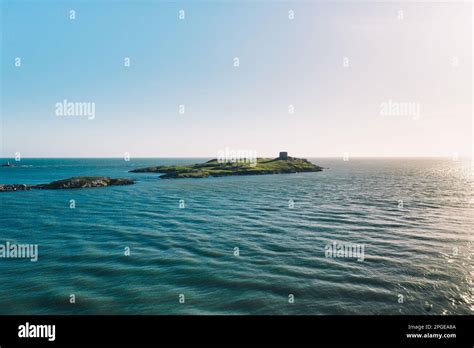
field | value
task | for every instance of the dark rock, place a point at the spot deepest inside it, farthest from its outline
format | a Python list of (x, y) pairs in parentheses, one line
[(14, 187), (71, 183), (84, 182)]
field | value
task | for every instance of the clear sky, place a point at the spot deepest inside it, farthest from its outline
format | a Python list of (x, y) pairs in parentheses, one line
[(424, 58)]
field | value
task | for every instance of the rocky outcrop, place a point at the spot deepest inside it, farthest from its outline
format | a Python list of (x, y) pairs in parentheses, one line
[(71, 183), (83, 182), (14, 187)]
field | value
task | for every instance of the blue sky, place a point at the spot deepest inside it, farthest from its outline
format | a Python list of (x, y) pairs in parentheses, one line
[(424, 58)]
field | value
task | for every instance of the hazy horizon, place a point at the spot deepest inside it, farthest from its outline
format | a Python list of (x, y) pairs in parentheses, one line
[(263, 156)]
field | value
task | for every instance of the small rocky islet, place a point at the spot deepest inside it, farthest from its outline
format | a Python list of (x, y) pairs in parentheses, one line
[(71, 183), (283, 164)]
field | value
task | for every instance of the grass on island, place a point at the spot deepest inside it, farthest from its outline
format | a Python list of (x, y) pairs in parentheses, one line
[(216, 168)]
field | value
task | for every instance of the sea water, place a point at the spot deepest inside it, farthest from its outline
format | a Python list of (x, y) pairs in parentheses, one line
[(243, 244)]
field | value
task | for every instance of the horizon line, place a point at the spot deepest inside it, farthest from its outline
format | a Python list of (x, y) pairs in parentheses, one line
[(184, 157)]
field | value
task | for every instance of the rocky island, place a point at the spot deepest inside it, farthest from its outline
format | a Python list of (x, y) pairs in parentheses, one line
[(283, 164), (215, 168), (71, 183)]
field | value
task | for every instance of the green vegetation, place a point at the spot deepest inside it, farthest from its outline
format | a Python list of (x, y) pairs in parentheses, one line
[(215, 168)]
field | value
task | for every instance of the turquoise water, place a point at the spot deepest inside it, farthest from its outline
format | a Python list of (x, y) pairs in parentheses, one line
[(422, 251)]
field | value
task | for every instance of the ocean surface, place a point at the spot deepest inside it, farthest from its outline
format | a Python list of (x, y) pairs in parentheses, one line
[(418, 253)]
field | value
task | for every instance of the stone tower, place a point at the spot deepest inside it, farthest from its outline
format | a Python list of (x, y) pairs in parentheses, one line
[(283, 156)]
